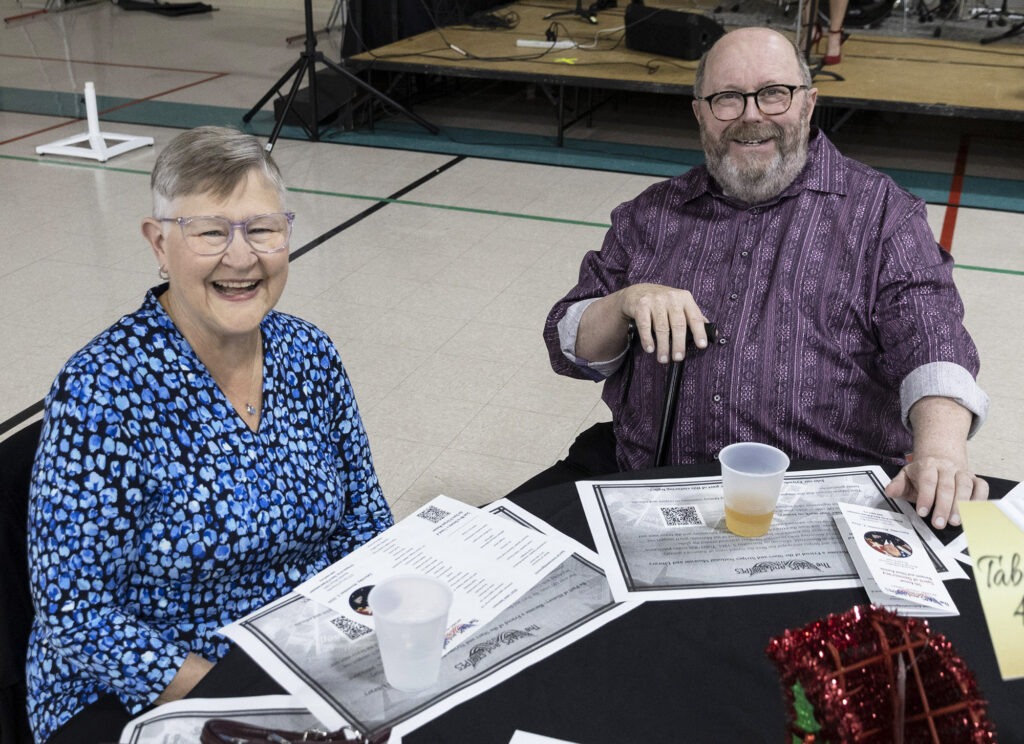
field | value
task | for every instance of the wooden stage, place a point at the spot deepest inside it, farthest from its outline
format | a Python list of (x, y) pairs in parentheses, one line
[(885, 73)]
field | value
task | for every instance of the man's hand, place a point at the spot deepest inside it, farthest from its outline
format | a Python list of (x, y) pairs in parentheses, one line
[(654, 309), (661, 315), (935, 484), (938, 476)]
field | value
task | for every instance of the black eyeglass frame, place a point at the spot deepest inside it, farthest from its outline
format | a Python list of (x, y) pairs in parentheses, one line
[(711, 99)]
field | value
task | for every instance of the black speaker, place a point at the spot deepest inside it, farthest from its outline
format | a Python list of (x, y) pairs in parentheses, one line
[(332, 93), (670, 33)]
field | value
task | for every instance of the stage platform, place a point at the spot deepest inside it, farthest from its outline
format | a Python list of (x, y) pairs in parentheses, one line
[(936, 77)]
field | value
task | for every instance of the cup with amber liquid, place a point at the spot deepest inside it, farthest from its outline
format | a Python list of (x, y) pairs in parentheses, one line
[(752, 476)]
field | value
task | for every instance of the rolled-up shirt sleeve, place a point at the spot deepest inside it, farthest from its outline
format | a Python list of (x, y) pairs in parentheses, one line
[(918, 314), (601, 273), (568, 330), (946, 380)]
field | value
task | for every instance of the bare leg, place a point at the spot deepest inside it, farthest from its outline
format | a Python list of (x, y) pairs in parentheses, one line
[(836, 13)]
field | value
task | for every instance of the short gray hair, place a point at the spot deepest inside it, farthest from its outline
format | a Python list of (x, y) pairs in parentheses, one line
[(805, 70), (210, 160)]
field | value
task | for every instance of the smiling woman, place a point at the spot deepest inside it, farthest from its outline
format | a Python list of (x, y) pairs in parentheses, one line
[(198, 459)]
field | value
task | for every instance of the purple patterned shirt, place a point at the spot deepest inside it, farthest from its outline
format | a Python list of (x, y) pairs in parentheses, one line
[(836, 311)]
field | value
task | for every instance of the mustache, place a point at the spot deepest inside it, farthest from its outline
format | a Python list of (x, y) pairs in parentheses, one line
[(751, 131)]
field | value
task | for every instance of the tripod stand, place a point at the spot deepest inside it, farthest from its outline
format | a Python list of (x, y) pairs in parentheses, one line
[(1016, 28), (584, 14), (306, 63)]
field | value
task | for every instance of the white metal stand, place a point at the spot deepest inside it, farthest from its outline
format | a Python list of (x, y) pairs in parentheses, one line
[(97, 148)]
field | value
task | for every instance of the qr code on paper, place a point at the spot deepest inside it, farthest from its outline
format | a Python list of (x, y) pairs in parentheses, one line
[(352, 630), (433, 514), (681, 516)]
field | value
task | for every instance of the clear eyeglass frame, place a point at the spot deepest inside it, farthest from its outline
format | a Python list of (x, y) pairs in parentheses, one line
[(211, 235), (771, 100)]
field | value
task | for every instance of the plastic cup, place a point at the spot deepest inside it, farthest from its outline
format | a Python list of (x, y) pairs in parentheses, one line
[(410, 614), (752, 476)]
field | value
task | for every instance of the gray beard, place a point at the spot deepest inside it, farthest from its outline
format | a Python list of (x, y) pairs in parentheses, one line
[(755, 183)]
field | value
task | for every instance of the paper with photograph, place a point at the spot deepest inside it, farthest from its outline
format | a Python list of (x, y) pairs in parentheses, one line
[(299, 643), (667, 539), (486, 561), (898, 603)]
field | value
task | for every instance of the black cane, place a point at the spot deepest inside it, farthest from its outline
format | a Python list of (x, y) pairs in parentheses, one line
[(668, 410)]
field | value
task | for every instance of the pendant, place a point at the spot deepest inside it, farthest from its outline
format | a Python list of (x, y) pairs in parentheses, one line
[(250, 409)]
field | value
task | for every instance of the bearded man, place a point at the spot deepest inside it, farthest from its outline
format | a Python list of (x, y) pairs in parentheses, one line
[(840, 333)]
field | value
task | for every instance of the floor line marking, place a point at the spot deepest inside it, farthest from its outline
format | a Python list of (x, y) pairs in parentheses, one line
[(111, 64), (23, 415), (989, 269), (393, 199), (473, 210), (955, 189), (213, 76), (381, 203)]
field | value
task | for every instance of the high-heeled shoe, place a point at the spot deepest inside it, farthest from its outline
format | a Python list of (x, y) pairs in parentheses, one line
[(830, 59), (815, 36)]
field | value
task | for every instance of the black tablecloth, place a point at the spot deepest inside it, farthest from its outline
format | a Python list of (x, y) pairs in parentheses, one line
[(688, 671)]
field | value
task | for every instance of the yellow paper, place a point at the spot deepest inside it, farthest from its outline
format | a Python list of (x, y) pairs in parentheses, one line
[(997, 551)]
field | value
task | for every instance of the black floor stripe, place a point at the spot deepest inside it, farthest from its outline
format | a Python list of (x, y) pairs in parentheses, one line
[(367, 212), (36, 407), (18, 418)]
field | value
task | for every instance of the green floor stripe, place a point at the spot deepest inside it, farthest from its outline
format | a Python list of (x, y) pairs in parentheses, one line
[(471, 210), (413, 203), (73, 164), (989, 269)]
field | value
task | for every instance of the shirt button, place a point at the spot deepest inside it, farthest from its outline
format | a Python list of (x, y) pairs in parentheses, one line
[(716, 397), (733, 296), (722, 341), (745, 253)]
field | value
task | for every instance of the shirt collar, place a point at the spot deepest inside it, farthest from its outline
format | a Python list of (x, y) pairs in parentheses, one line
[(824, 171)]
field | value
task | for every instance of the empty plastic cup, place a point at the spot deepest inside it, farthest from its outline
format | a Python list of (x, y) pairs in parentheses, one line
[(410, 614), (752, 476)]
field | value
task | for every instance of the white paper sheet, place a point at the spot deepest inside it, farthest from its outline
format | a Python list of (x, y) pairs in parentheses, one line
[(525, 737), (486, 561), (1012, 505), (181, 722), (667, 539), (957, 547), (298, 643)]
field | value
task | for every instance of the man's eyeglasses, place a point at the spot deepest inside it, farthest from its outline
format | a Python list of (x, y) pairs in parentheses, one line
[(211, 236), (771, 100)]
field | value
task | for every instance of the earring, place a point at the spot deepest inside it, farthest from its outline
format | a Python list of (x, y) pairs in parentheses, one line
[(163, 273)]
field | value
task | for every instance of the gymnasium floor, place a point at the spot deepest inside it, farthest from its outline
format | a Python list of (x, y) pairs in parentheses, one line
[(435, 294)]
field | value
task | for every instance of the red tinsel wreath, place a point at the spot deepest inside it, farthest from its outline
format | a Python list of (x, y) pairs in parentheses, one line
[(849, 666)]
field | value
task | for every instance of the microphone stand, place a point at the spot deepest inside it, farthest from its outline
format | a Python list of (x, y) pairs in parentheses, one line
[(306, 64)]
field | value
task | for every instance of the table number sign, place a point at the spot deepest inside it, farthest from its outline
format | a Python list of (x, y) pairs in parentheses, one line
[(997, 549)]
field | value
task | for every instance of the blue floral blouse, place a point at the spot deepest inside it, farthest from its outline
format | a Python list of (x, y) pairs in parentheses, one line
[(157, 516)]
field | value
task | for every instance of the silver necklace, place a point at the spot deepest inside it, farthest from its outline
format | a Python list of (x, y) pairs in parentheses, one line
[(252, 372)]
